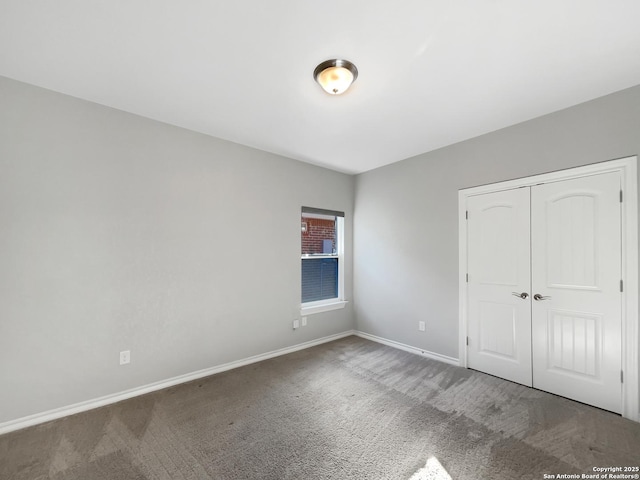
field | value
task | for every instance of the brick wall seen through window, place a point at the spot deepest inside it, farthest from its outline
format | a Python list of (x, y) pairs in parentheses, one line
[(318, 231)]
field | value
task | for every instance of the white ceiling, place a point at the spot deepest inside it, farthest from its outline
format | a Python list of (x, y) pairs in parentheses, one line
[(431, 72)]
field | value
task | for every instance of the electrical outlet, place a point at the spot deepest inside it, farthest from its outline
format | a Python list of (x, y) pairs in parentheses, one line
[(304, 321), (125, 357), (421, 326), (296, 324)]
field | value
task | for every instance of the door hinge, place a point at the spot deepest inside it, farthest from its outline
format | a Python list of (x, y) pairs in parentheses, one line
[(620, 196), (466, 214), (467, 278), (621, 286), (621, 376), (467, 341)]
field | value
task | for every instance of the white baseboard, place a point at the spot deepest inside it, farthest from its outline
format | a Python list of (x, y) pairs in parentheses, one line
[(49, 415), (409, 348), (54, 414)]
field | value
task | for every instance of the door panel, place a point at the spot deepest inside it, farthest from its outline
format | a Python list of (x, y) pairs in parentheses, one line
[(576, 263), (574, 341), (497, 331), (499, 323), (572, 256)]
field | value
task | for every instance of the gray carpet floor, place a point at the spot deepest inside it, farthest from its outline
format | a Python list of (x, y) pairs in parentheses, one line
[(350, 409)]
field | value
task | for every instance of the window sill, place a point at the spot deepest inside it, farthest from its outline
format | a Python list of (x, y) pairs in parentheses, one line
[(312, 308)]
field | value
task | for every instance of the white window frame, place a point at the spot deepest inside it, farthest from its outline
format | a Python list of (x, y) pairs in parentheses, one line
[(326, 305)]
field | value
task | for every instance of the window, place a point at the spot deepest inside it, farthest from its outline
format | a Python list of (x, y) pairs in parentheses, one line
[(322, 260)]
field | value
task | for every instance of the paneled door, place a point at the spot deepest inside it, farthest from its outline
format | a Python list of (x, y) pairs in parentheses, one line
[(499, 321), (576, 303), (544, 304)]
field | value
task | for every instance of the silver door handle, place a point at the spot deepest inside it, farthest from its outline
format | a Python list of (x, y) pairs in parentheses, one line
[(539, 297), (522, 295)]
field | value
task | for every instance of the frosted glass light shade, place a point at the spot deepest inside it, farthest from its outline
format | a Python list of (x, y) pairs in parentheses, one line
[(335, 76)]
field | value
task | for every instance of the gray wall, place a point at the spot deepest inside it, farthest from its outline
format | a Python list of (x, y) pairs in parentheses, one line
[(406, 231), (118, 232)]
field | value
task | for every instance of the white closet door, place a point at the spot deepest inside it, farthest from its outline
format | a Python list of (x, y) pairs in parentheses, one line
[(499, 319), (576, 268)]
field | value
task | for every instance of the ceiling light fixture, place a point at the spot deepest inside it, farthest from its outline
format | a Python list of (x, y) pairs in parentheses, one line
[(335, 76)]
